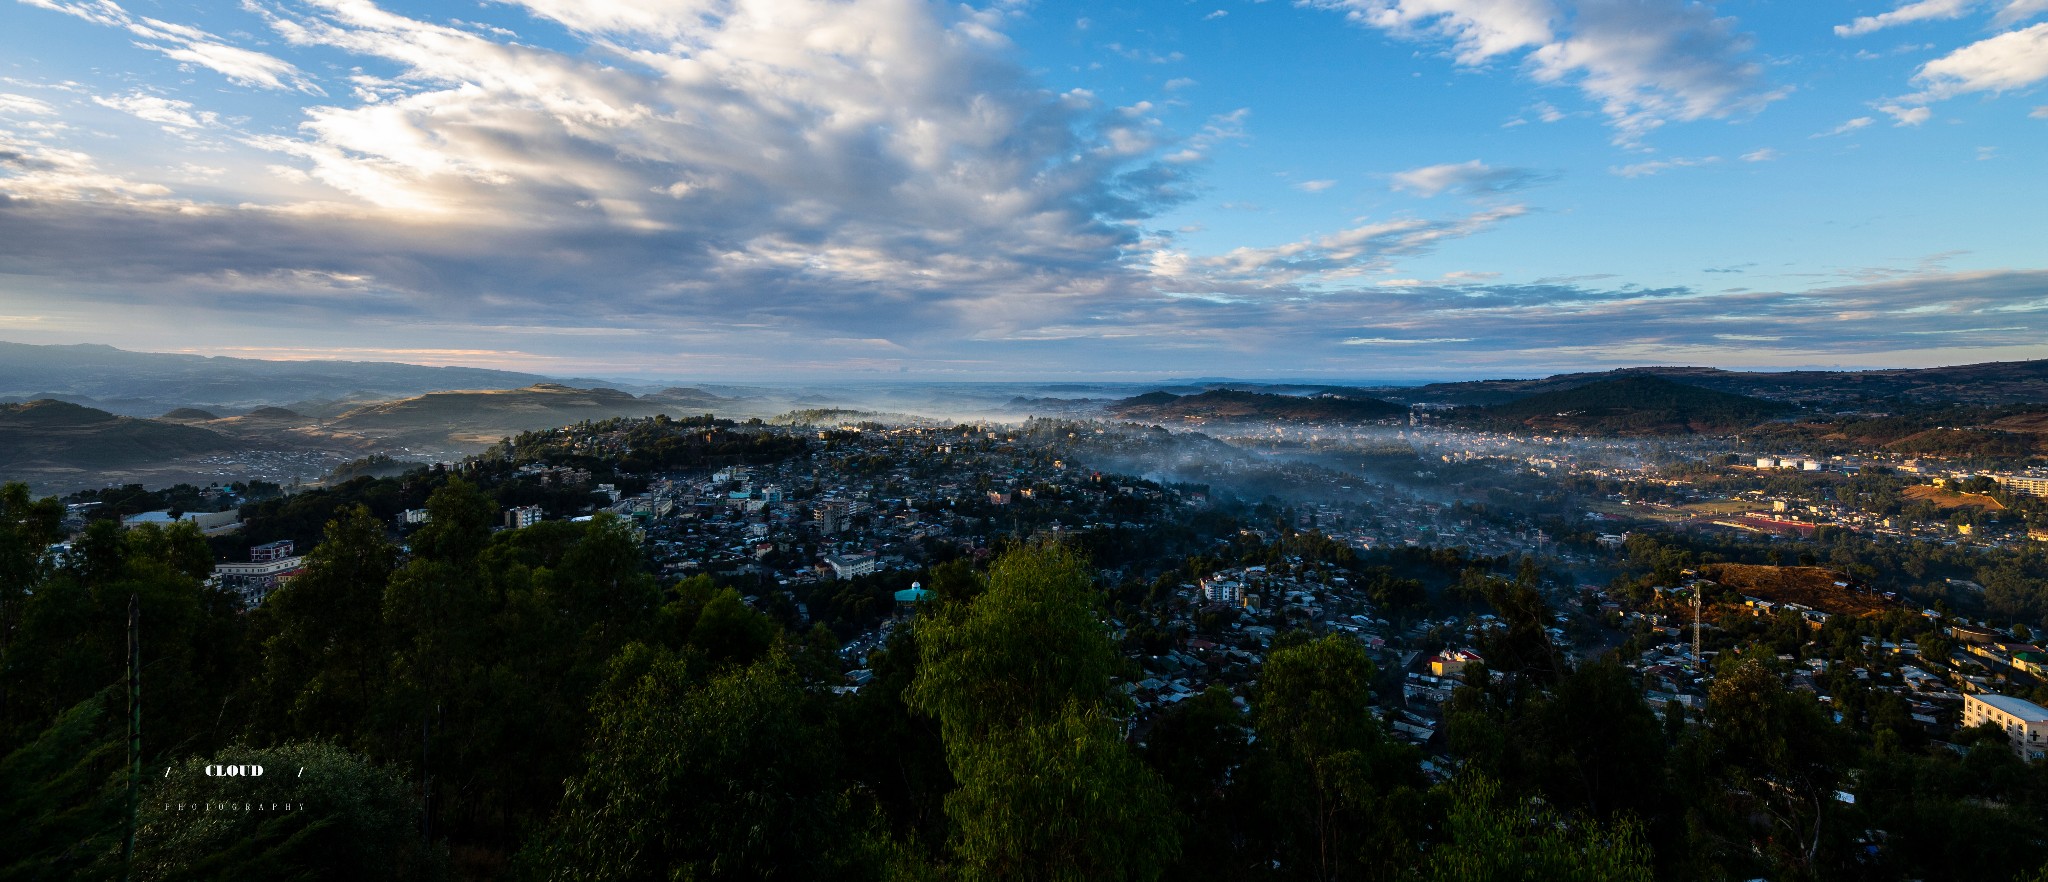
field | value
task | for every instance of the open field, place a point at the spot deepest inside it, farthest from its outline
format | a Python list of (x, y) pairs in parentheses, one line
[(1949, 500), (1722, 507)]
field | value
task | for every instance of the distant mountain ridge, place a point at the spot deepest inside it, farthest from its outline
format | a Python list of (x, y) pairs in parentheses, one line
[(148, 383), (1999, 382)]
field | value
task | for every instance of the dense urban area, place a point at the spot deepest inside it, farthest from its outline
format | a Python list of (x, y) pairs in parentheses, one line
[(842, 647)]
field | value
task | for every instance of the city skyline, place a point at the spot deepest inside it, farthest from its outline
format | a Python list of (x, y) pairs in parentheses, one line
[(1435, 189)]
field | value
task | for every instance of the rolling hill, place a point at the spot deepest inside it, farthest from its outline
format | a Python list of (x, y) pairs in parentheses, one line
[(472, 419), (1633, 405), (51, 435)]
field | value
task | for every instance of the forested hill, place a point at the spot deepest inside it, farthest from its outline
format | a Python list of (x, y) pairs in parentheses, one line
[(1632, 405), (55, 435), (1227, 405), (484, 416), (1990, 383)]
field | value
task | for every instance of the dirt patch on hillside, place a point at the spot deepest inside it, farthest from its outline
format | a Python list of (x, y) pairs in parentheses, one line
[(1807, 586), (2036, 423)]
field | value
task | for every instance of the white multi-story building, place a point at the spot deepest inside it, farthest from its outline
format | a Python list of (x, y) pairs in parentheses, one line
[(2025, 723), (2024, 485), (270, 565), (523, 516), (1226, 591), (847, 566)]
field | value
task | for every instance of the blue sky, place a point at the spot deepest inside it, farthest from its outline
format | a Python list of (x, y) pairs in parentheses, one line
[(780, 188)]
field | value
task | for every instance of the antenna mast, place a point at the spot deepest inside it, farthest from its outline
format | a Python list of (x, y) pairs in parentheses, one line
[(1696, 623)]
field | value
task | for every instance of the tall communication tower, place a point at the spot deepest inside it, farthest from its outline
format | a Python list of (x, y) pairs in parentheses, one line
[(1696, 624)]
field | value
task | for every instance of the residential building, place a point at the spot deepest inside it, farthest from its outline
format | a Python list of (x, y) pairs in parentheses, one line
[(2025, 723), (1225, 591), (1451, 662), (847, 566), (523, 516), (270, 565), (831, 515), (270, 551), (2023, 485)]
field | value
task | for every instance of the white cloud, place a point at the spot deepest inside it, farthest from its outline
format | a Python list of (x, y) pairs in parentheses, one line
[(1178, 83), (1453, 278), (1644, 62), (1762, 154), (31, 170), (877, 166), (168, 112), (2039, 112), (23, 105), (1904, 115), (1472, 177), (2008, 61), (1479, 30), (1659, 166), (1923, 10), (1317, 186), (1215, 15), (2018, 11), (1845, 128), (245, 67), (1341, 255)]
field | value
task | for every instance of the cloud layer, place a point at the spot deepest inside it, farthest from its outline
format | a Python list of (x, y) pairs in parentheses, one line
[(1642, 62), (759, 186)]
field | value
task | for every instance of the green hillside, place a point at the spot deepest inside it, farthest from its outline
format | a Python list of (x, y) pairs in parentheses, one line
[(55, 434)]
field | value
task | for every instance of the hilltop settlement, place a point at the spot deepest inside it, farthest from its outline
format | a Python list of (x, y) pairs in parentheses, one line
[(1806, 634)]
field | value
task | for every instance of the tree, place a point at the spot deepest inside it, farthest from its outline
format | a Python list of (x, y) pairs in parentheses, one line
[(728, 776), (1489, 839), (729, 632), (1060, 800), (27, 528), (1199, 749), (1338, 784), (325, 656), (60, 810), (73, 637), (1019, 678), (1604, 746), (1031, 642), (1780, 757)]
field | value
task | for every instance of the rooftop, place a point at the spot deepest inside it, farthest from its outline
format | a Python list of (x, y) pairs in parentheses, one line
[(2017, 707)]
